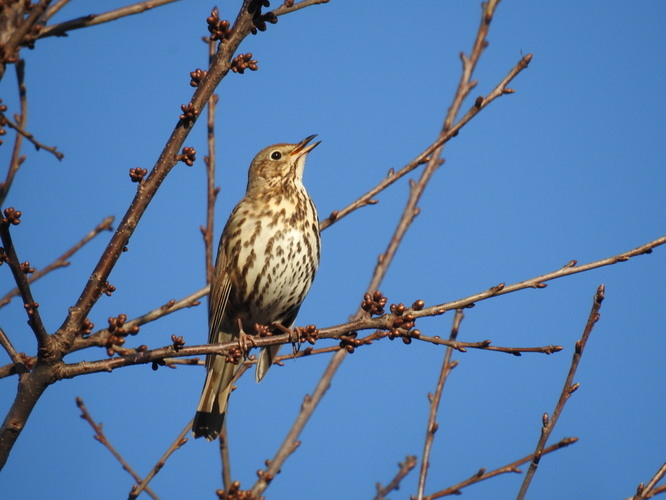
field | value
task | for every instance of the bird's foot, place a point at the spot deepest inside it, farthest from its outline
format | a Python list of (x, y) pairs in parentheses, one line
[(244, 340), (294, 335)]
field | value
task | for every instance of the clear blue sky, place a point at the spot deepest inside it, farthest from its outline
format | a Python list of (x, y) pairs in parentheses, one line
[(569, 167)]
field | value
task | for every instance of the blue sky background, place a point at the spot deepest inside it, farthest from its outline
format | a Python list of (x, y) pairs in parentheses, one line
[(569, 167)]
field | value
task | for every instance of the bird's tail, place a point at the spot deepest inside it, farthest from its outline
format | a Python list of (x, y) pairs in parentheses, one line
[(265, 360), (214, 397)]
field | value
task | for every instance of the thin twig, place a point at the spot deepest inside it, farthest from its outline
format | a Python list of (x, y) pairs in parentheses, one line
[(61, 261), (224, 457), (38, 145), (211, 190), (649, 490), (179, 441), (481, 475), (21, 119), (101, 337), (19, 365), (61, 29), (285, 9), (31, 306), (404, 469), (540, 281), (99, 436), (432, 427), (568, 389), (55, 8), (291, 441), (393, 176)]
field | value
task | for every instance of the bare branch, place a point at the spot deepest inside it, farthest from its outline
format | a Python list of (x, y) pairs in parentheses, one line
[(211, 191), (224, 457), (180, 441), (568, 389), (19, 365), (99, 436), (291, 441), (21, 119), (512, 467), (55, 8), (61, 261), (432, 427), (31, 306), (384, 322), (540, 281), (393, 176), (405, 468), (38, 145), (650, 490), (61, 29)]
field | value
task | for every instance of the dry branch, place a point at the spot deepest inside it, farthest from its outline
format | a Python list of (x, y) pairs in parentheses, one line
[(568, 389)]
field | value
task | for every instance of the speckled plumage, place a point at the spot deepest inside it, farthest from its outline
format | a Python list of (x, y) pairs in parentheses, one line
[(267, 259)]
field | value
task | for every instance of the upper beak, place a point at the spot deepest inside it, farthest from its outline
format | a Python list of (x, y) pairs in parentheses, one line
[(302, 147)]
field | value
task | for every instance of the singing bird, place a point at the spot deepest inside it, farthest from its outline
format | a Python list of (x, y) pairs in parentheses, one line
[(266, 261)]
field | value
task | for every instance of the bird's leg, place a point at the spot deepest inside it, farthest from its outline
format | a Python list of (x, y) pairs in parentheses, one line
[(244, 339), (294, 335)]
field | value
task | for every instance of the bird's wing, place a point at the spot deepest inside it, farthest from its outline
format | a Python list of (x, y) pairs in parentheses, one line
[(217, 302)]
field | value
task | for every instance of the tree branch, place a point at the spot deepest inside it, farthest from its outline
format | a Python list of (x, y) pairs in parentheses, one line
[(18, 127), (180, 441), (405, 468), (31, 307), (432, 427), (568, 389), (482, 474), (99, 436), (61, 261), (61, 29)]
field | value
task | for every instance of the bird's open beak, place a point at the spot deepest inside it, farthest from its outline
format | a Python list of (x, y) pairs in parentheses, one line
[(302, 147)]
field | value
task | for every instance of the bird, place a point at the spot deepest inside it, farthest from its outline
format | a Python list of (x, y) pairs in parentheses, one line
[(266, 262)]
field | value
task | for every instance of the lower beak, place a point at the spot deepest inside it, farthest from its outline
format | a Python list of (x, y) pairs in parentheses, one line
[(302, 147)]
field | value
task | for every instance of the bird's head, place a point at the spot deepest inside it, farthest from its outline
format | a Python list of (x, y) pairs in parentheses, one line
[(279, 165)]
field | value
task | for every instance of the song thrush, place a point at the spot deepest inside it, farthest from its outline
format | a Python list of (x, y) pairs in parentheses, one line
[(266, 261)]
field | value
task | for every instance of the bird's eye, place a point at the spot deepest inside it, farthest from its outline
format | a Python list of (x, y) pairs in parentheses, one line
[(276, 155)]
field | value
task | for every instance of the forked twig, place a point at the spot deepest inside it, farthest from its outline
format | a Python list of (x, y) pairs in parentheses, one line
[(179, 441), (568, 389), (99, 436), (650, 490)]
